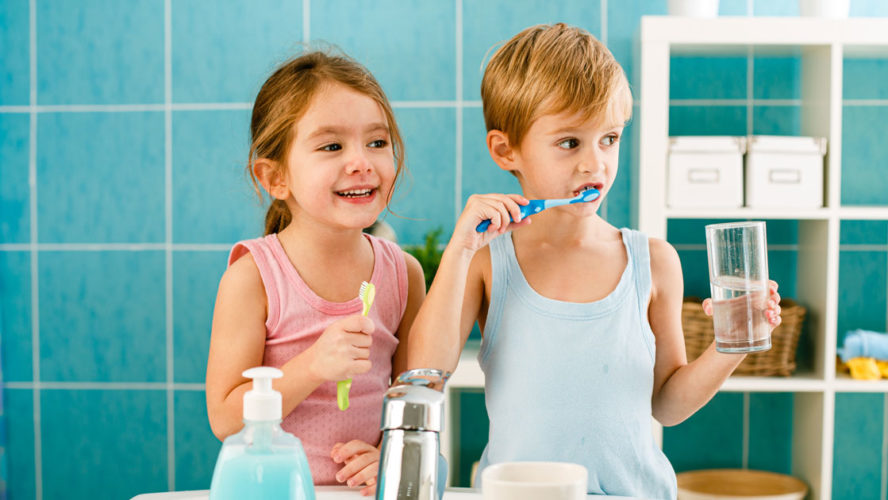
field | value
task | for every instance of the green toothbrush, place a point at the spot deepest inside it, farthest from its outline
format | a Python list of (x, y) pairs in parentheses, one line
[(367, 293)]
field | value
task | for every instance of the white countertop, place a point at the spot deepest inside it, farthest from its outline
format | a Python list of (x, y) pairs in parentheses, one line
[(323, 493)]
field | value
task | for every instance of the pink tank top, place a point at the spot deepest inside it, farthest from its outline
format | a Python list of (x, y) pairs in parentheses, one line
[(296, 319)]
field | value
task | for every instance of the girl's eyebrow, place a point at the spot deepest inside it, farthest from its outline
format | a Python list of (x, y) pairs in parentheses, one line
[(334, 129)]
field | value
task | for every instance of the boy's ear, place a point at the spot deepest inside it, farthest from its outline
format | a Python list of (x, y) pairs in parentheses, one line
[(272, 178), (501, 150)]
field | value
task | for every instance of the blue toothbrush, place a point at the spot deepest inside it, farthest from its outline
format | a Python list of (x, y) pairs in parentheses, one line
[(537, 206)]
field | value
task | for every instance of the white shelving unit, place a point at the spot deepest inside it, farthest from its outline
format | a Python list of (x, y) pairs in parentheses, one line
[(822, 46)]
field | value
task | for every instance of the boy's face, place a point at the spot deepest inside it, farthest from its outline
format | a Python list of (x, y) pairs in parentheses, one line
[(564, 154)]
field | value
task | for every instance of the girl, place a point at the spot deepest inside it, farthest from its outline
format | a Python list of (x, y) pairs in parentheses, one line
[(326, 148)]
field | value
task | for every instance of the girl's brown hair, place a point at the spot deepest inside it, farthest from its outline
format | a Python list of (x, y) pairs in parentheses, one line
[(285, 97)]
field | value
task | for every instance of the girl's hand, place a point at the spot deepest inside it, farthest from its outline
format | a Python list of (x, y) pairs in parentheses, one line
[(361, 464), (773, 311), (480, 207), (343, 350)]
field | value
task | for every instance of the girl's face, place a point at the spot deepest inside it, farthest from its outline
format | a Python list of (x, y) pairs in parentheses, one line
[(340, 167), (563, 154)]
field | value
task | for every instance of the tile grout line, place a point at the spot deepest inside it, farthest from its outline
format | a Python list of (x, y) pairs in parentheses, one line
[(745, 452), (458, 163), (104, 386), (602, 209), (306, 22), (234, 106), (168, 238), (35, 275)]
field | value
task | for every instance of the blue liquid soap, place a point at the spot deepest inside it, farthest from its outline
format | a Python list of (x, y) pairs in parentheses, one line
[(262, 460), (273, 466)]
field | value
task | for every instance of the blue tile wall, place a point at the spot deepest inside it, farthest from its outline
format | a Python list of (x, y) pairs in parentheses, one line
[(113, 427), (19, 414), (406, 69), (209, 169), (104, 242), (102, 316), (864, 145), (15, 315), (100, 52), (15, 213), (101, 176), (857, 456), (224, 54), (14, 38), (196, 277), (196, 446)]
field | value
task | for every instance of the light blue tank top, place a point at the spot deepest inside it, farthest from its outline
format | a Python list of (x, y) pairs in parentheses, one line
[(572, 382)]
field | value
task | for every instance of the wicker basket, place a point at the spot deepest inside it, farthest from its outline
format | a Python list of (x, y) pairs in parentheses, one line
[(779, 360)]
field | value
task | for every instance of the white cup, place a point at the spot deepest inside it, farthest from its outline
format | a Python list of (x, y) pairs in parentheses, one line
[(693, 8), (534, 481)]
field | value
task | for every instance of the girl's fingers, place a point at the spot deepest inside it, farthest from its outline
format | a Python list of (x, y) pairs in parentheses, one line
[(707, 307), (364, 475)]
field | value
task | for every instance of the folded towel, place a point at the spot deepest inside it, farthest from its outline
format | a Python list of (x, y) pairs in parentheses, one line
[(864, 344)]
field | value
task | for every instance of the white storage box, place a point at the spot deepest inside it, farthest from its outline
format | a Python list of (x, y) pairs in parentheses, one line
[(706, 172), (785, 172)]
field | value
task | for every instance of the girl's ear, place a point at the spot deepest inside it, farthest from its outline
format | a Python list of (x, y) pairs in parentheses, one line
[(501, 150), (272, 178)]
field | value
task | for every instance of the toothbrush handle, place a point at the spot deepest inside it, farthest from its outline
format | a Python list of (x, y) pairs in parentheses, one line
[(535, 206), (342, 388)]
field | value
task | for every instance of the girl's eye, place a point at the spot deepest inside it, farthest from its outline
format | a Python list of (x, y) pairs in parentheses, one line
[(331, 147), (379, 143), (610, 140), (568, 144)]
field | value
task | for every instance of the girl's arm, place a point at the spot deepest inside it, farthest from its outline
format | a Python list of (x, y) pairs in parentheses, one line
[(416, 293), (682, 388), (445, 320), (238, 343)]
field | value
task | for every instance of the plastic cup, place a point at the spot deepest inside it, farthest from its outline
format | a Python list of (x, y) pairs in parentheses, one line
[(738, 279)]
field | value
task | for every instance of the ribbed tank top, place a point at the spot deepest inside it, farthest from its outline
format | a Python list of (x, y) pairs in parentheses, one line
[(296, 319), (572, 382)]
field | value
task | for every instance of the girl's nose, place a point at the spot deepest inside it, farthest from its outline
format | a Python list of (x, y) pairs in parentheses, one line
[(358, 163)]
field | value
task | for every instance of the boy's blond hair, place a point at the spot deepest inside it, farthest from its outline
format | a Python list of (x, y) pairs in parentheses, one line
[(552, 69)]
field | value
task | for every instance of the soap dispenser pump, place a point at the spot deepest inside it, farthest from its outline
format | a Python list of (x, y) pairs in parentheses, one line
[(262, 460)]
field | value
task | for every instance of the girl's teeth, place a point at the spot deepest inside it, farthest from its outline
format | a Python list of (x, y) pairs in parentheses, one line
[(355, 192)]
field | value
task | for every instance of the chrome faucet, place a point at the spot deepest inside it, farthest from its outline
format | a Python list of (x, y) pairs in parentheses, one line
[(410, 466)]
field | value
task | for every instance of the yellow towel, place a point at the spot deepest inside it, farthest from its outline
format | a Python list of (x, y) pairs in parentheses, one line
[(865, 368), (883, 367)]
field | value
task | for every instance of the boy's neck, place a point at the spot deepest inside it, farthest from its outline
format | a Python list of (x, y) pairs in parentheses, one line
[(564, 231)]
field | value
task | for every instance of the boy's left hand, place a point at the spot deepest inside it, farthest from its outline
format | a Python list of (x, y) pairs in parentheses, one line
[(361, 464), (773, 311)]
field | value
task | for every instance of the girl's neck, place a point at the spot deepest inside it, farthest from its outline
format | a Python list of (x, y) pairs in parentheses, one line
[(321, 241)]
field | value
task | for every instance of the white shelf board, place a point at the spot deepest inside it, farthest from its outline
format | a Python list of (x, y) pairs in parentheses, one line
[(745, 31), (844, 383), (794, 383), (863, 213), (749, 213)]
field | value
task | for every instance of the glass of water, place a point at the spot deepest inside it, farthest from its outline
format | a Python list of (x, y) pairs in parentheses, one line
[(738, 278)]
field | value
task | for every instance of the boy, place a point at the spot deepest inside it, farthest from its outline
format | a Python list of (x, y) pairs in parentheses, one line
[(581, 321)]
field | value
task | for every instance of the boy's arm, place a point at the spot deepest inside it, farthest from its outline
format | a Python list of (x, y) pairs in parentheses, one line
[(445, 320), (680, 388), (451, 308), (416, 293)]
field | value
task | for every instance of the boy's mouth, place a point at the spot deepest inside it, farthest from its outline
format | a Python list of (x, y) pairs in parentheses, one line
[(586, 187)]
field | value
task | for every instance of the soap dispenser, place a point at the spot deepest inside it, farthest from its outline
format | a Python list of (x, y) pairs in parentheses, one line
[(262, 460)]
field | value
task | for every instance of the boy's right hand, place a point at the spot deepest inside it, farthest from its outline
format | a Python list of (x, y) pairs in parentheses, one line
[(343, 350), (497, 208)]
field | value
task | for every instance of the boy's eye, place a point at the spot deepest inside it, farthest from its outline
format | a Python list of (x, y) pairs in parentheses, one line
[(610, 140), (331, 147), (379, 143), (569, 143)]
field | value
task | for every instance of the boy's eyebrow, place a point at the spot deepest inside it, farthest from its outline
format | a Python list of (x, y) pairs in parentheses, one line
[(574, 128), (334, 129)]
